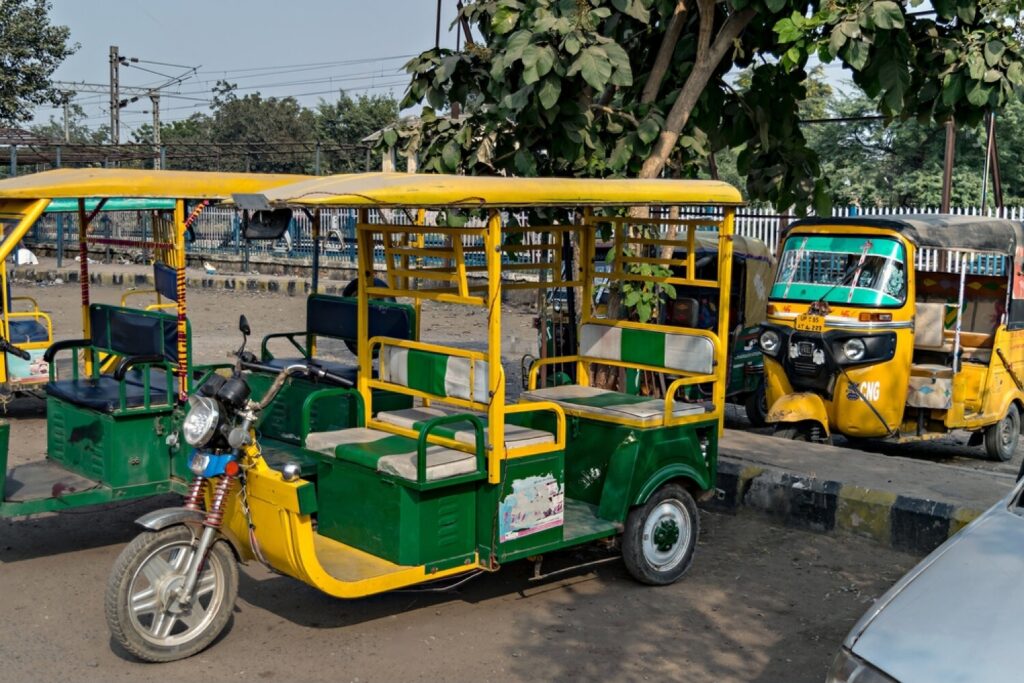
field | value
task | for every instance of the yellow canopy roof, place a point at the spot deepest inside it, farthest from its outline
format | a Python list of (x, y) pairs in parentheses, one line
[(437, 190), (80, 183)]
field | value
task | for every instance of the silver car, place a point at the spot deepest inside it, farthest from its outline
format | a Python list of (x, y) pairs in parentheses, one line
[(956, 616)]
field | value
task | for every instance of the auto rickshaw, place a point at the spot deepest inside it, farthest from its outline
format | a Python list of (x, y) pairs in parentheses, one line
[(901, 327), (465, 480), (113, 426)]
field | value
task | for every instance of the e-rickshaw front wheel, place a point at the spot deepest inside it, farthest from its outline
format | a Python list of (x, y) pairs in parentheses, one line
[(660, 536), (1001, 438), (142, 606)]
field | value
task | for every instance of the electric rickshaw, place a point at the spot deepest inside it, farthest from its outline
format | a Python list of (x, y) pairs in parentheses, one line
[(466, 479), (114, 410), (901, 327)]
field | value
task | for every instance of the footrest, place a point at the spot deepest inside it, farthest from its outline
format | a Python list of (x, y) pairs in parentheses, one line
[(43, 479)]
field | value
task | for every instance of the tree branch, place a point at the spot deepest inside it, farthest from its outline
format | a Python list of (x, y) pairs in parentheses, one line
[(704, 67), (664, 57)]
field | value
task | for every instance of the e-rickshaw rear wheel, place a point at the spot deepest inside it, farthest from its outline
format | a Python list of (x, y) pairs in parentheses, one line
[(142, 609), (660, 536), (1001, 438)]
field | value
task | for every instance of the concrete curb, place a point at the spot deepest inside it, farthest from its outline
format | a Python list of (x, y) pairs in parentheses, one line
[(905, 523)]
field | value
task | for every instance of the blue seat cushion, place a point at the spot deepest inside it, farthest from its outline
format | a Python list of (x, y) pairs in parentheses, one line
[(342, 369), (102, 393), (28, 330)]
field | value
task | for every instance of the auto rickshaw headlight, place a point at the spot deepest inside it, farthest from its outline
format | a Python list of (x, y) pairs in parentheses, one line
[(770, 342), (854, 349), (201, 421)]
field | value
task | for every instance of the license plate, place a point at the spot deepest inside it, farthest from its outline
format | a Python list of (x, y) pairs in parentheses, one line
[(810, 323)]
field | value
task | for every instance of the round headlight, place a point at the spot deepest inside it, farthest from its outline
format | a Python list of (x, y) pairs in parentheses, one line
[(854, 349), (770, 342), (201, 421)]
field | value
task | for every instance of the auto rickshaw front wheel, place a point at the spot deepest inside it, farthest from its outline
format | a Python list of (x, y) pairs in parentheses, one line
[(142, 609), (1001, 438), (660, 536), (756, 406)]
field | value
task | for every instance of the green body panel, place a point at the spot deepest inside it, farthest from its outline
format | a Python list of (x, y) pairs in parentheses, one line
[(116, 451), (494, 503), (282, 420), (608, 465), (96, 496), (380, 515)]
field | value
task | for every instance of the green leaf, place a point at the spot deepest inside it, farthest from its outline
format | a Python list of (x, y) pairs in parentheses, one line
[(451, 155), (643, 311), (525, 163), (952, 89), (856, 54), (976, 66), (572, 43), (594, 67), (648, 130), (516, 44), (994, 50), (390, 137), (632, 299), (787, 30), (621, 154), (670, 290), (887, 15), (545, 60), (774, 5), (992, 75), (836, 41), (550, 89), (504, 20), (966, 10), (977, 94), (1015, 73)]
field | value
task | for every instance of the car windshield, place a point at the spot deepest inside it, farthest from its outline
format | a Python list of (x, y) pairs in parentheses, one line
[(842, 269)]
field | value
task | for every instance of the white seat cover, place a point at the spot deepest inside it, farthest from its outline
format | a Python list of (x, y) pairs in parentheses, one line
[(515, 435), (649, 412)]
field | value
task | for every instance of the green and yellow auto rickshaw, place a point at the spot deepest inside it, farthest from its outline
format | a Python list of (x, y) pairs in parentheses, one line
[(465, 480), (898, 327), (114, 416)]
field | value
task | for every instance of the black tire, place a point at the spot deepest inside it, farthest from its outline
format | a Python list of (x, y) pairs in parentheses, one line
[(129, 627), (794, 431), (756, 406), (671, 513), (1001, 438)]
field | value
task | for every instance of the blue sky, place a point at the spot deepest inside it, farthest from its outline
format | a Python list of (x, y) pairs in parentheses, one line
[(306, 48)]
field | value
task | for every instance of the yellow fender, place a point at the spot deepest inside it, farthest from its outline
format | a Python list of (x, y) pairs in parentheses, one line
[(799, 407)]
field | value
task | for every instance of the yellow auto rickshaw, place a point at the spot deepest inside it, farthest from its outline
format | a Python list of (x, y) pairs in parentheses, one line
[(901, 327)]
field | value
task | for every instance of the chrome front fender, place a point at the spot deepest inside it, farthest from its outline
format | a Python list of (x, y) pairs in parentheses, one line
[(157, 520)]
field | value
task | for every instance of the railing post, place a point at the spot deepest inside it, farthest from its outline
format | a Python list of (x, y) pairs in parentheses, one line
[(14, 160)]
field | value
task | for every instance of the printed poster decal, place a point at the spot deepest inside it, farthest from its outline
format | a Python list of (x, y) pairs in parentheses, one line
[(535, 504)]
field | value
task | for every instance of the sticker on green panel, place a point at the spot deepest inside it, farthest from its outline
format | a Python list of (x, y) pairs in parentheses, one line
[(535, 504)]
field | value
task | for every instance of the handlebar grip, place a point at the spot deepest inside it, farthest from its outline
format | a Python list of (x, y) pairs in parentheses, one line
[(20, 353), (337, 379)]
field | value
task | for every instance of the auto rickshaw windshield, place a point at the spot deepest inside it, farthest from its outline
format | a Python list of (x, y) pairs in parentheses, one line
[(842, 269)]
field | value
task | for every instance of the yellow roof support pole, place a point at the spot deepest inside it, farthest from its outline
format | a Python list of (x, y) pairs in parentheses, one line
[(182, 328), (364, 258), (496, 387), (586, 258), (83, 276), (725, 248)]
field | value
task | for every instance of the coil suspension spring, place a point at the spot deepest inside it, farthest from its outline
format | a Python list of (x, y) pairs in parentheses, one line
[(194, 499), (215, 515)]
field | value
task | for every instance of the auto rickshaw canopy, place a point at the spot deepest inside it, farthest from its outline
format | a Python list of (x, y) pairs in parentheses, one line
[(439, 190), (970, 233)]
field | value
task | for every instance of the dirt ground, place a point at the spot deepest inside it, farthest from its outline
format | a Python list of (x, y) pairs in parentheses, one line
[(761, 603)]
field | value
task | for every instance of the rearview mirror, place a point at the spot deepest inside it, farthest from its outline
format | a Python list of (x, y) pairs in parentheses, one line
[(243, 326), (266, 225)]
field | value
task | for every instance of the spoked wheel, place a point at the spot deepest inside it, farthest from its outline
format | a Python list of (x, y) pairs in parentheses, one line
[(660, 536), (1001, 438), (142, 606), (807, 430)]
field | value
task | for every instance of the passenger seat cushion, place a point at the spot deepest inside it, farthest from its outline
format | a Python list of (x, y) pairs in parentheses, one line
[(390, 454), (27, 330), (516, 436), (102, 393), (591, 401), (680, 352), (935, 392), (929, 325), (346, 370)]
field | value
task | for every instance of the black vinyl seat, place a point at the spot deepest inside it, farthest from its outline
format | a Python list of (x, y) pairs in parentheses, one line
[(102, 393)]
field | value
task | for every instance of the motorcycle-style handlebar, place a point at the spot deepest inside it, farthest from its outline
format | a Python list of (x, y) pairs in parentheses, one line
[(290, 371), (8, 347)]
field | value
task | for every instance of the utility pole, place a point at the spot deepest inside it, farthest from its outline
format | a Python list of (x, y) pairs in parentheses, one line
[(115, 96), (154, 97), (947, 170), (67, 126)]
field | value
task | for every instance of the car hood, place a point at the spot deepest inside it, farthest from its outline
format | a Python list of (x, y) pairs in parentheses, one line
[(962, 617)]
